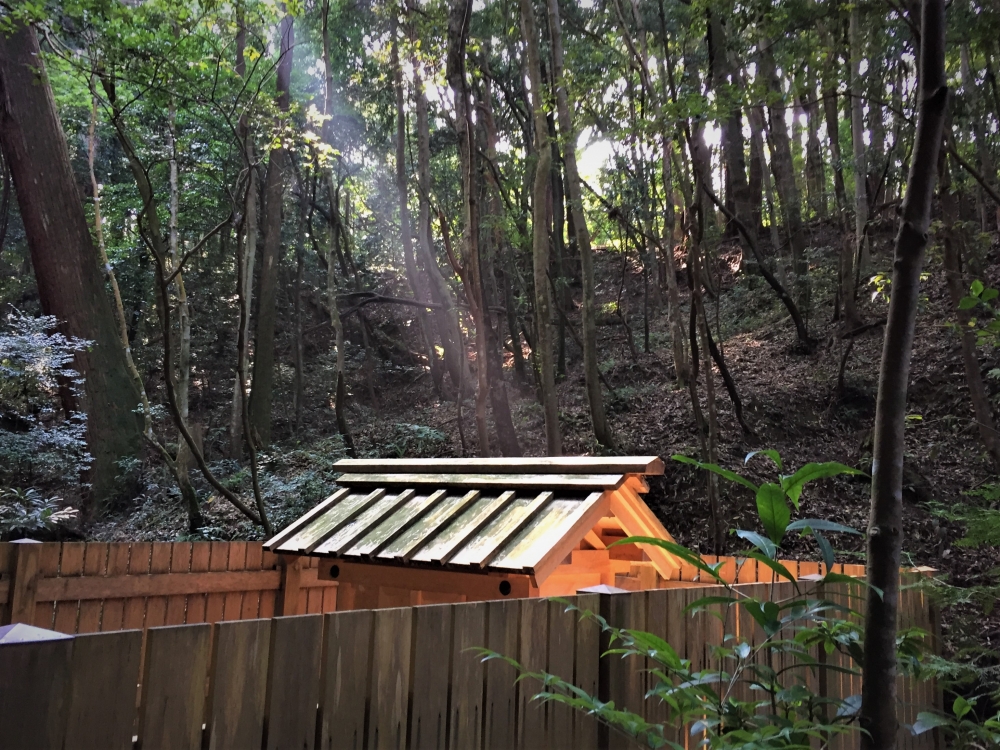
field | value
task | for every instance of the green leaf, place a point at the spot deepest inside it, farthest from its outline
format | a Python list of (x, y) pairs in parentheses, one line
[(819, 524), (764, 544), (732, 476), (989, 295), (976, 288), (707, 601), (773, 511), (926, 721), (826, 549), (769, 452), (961, 707), (842, 578), (774, 565), (793, 484), (967, 303)]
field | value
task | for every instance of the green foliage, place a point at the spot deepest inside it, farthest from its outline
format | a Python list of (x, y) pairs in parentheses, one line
[(39, 442), (416, 440), (28, 513)]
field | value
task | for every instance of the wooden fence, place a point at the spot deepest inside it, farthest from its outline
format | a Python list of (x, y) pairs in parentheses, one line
[(97, 587), (387, 678)]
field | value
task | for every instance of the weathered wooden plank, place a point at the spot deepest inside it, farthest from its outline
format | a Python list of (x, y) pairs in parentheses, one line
[(293, 681), (95, 563), (33, 687), (482, 550), (562, 643), (102, 689), (352, 533), (651, 465), (134, 615), (578, 482), (500, 709), (432, 640), (159, 564), (237, 562), (419, 535), (173, 687), (112, 613), (161, 584), (587, 666), (626, 682), (467, 676), (390, 679), (238, 684), (180, 564), (446, 543), (656, 623), (345, 680), (48, 566), (296, 526), (251, 597), (70, 565), (218, 560), (534, 646), (201, 553)]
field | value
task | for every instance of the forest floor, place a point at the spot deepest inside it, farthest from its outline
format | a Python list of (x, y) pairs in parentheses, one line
[(790, 398)]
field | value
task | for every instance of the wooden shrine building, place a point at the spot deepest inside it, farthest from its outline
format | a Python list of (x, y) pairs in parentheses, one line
[(421, 531)]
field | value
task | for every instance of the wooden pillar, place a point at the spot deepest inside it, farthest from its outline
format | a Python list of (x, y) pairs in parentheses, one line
[(24, 582), (291, 585)]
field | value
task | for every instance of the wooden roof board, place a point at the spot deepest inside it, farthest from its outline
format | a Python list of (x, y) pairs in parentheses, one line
[(372, 516), (579, 482), (650, 465), (382, 535), (325, 525), (465, 526), (483, 548)]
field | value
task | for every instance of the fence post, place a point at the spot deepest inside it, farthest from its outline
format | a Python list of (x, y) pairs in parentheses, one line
[(287, 602), (24, 581)]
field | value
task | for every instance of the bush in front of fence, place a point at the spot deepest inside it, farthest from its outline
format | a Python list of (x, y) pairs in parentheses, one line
[(776, 678)]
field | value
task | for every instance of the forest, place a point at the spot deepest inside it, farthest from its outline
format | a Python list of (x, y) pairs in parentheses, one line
[(240, 240)]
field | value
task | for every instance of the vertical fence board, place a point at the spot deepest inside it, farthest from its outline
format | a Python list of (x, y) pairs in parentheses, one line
[(33, 707), (587, 669), (467, 676), (180, 562), (531, 714), (48, 567), (95, 563), (218, 559), (293, 682), (626, 680), (112, 614), (238, 684), (173, 687), (102, 689), (562, 645), (71, 565), (159, 563), (233, 607), (432, 639), (201, 553), (251, 599), (500, 710), (345, 679), (390, 678), (6, 576), (656, 623), (134, 615)]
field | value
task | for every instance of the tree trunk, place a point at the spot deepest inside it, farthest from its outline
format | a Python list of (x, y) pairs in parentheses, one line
[(815, 176), (262, 391), (857, 136), (971, 93), (64, 257), (784, 177), (458, 33), (957, 289), (756, 118), (885, 531), (540, 238), (564, 107)]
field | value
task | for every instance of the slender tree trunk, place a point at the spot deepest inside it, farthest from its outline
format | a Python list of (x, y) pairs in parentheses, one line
[(756, 118), (66, 262), (830, 109), (971, 94), (784, 177), (885, 530), (957, 289), (540, 239), (564, 107), (857, 136), (458, 33), (815, 175), (298, 388), (262, 392)]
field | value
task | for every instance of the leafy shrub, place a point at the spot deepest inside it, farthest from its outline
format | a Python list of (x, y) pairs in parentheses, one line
[(416, 440), (29, 513), (38, 442)]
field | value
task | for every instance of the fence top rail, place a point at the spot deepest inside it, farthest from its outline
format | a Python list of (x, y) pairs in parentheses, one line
[(648, 465)]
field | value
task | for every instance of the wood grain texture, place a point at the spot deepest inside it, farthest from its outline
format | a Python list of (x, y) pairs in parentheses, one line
[(561, 648), (172, 705), (102, 689), (95, 563), (520, 465), (293, 682), (112, 612), (531, 731), (134, 615), (575, 482), (467, 675), (201, 553), (345, 680), (180, 563), (33, 685), (587, 668), (235, 714), (500, 709), (390, 679), (71, 564), (432, 641)]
